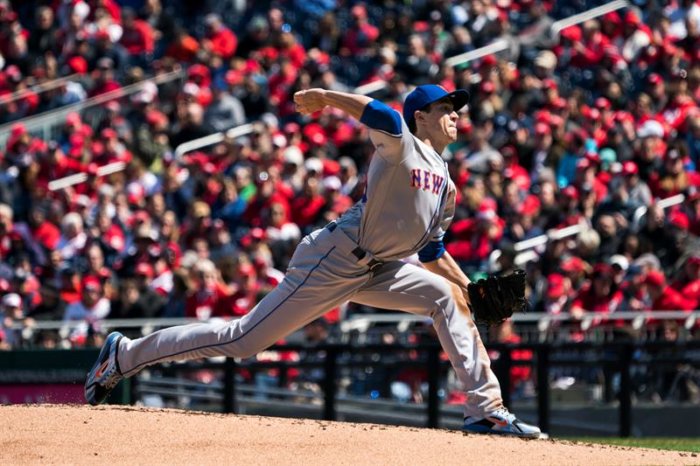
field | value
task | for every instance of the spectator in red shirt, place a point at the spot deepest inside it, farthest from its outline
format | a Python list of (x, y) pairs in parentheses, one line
[(665, 298), (599, 295), (361, 34), (475, 238), (590, 50), (308, 207), (245, 296), (184, 47), (219, 39), (211, 297), (281, 83), (688, 280), (336, 202), (138, 37), (557, 299), (44, 232), (104, 78)]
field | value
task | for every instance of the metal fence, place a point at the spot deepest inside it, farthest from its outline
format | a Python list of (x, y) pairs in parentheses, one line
[(618, 361), (48, 125)]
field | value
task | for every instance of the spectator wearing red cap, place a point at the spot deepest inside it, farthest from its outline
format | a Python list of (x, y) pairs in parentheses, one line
[(136, 300), (361, 34), (225, 111), (50, 306), (268, 276), (114, 118), (569, 200), (106, 43), (636, 36), (677, 238), (93, 306), (150, 302), (152, 141), (687, 281), (218, 39), (587, 179), (590, 50), (246, 290), (558, 295), (522, 225), (663, 297), (473, 239), (638, 192), (114, 149), (657, 90), (307, 208)]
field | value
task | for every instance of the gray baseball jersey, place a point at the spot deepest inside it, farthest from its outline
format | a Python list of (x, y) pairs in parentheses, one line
[(409, 202)]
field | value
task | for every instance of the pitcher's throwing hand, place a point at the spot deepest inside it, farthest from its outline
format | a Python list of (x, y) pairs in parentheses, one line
[(309, 101)]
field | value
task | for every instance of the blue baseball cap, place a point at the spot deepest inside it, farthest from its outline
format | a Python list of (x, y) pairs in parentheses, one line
[(424, 95)]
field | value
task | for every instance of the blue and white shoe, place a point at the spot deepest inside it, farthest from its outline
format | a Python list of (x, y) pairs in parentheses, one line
[(501, 422), (105, 374)]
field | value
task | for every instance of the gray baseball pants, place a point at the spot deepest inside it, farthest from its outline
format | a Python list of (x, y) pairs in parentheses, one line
[(322, 275)]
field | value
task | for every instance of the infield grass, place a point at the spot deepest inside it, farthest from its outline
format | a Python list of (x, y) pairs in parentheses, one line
[(660, 443)]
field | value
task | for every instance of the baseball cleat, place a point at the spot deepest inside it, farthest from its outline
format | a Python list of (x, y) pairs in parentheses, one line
[(501, 422), (104, 375)]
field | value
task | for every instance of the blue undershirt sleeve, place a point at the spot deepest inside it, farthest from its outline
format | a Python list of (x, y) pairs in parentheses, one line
[(378, 115), (432, 251)]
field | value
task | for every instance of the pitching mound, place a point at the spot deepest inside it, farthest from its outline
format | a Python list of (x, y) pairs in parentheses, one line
[(51, 434)]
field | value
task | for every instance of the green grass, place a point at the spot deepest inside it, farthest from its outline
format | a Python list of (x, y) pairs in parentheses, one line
[(660, 443)]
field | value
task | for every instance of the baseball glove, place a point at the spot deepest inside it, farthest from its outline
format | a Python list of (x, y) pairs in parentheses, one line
[(494, 299)]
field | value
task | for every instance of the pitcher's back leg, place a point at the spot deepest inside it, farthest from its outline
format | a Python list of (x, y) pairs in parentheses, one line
[(308, 290)]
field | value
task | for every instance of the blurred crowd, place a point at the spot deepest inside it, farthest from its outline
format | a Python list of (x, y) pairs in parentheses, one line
[(587, 127)]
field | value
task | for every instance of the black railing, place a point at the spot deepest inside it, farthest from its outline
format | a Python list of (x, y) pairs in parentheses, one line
[(612, 358)]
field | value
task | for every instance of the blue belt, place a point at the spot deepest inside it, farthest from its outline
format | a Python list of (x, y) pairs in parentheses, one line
[(358, 252)]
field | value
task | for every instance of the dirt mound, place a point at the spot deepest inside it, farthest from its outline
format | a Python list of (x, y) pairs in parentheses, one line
[(62, 434)]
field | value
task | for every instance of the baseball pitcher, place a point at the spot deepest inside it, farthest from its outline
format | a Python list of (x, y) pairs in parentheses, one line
[(408, 206)]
